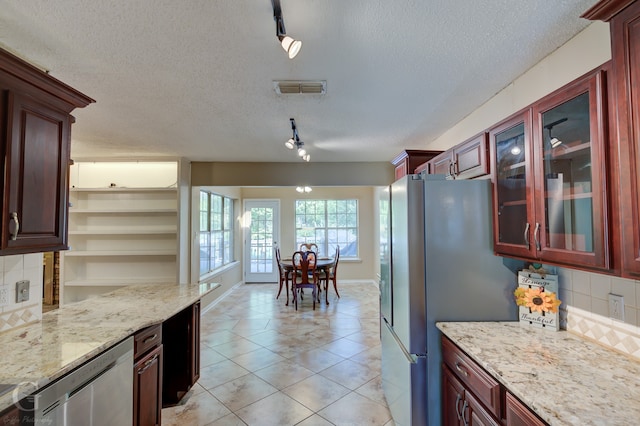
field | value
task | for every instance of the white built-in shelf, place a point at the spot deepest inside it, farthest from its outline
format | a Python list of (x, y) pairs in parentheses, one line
[(123, 211), (117, 282), (123, 189), (120, 236), (85, 253), (150, 231)]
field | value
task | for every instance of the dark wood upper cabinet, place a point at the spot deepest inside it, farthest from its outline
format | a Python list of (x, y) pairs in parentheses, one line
[(549, 167), (624, 19), (571, 174), (625, 40), (35, 132), (409, 160), (512, 176), (466, 160)]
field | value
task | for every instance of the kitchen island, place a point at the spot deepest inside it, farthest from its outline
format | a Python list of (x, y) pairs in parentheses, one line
[(39, 353), (563, 378)]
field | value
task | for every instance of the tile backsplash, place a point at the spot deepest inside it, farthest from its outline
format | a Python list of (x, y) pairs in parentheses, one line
[(14, 269), (585, 308), (589, 292)]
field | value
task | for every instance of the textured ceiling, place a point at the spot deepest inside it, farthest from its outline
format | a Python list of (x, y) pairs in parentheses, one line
[(194, 78)]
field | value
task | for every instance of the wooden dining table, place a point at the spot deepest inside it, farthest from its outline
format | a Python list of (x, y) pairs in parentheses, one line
[(322, 264)]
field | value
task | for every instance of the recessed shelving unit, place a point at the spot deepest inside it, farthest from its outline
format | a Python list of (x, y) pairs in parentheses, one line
[(120, 234)]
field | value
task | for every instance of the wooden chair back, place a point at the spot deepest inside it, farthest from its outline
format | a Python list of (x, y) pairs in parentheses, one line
[(309, 247), (304, 274)]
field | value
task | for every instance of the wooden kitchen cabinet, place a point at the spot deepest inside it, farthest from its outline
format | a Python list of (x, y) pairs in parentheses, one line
[(460, 408), (409, 160), (147, 377), (518, 414), (624, 19), (550, 178), (147, 389), (35, 129), (485, 390), (181, 354), (467, 160), (471, 396), (10, 416)]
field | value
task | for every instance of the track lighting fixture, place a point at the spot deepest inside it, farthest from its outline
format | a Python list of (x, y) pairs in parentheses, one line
[(295, 142), (554, 141), (289, 44)]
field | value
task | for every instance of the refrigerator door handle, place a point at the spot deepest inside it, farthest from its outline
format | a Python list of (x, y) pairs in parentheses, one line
[(412, 358)]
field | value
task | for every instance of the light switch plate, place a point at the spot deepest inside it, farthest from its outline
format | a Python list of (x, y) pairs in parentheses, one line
[(22, 291), (616, 307)]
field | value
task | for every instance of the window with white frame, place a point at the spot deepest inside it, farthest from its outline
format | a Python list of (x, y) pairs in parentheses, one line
[(216, 231), (329, 224)]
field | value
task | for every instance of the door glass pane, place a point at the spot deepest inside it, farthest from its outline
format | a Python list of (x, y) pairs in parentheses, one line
[(261, 240), (567, 171), (511, 185)]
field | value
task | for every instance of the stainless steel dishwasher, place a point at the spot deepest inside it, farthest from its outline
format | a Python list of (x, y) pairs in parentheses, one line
[(98, 393)]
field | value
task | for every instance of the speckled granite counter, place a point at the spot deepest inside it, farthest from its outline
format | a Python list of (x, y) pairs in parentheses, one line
[(38, 353), (565, 379)]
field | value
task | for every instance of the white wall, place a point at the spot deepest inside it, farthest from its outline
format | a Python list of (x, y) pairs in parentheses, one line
[(586, 51)]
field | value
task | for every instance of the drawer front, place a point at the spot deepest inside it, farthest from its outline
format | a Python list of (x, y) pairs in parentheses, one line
[(484, 387), (146, 339)]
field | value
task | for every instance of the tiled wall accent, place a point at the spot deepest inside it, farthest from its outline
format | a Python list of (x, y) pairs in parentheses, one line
[(12, 270), (589, 292), (585, 309), (618, 335)]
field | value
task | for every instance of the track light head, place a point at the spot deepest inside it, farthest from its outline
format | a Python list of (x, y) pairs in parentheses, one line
[(295, 142), (289, 44), (291, 143)]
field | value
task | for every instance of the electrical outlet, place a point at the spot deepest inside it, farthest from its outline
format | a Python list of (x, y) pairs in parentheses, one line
[(616, 307), (22, 291), (4, 296)]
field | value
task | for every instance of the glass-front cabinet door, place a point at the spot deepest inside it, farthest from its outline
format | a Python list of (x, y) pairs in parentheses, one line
[(510, 145), (570, 206)]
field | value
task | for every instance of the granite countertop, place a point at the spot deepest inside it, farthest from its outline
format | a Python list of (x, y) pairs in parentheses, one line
[(36, 354), (564, 378)]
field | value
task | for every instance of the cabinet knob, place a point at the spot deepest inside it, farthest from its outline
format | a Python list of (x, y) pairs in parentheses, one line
[(14, 226)]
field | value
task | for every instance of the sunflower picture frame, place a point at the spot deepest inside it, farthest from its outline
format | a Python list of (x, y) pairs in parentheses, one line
[(537, 300)]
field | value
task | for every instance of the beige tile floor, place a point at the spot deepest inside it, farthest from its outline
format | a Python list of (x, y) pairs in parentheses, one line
[(263, 363)]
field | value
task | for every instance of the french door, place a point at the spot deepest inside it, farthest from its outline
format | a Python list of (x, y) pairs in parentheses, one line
[(261, 233)]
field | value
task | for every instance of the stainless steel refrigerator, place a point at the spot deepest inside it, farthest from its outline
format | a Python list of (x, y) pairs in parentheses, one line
[(437, 264)]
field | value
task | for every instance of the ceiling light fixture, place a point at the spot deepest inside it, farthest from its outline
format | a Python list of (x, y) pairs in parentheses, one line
[(554, 141), (303, 189), (295, 142), (289, 44)]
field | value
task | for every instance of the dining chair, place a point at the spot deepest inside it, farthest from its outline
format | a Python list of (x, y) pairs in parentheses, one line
[(304, 275), (283, 276), (309, 247), (330, 274)]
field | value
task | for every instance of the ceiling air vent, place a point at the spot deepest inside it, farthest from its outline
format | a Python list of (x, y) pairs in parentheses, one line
[(295, 87)]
